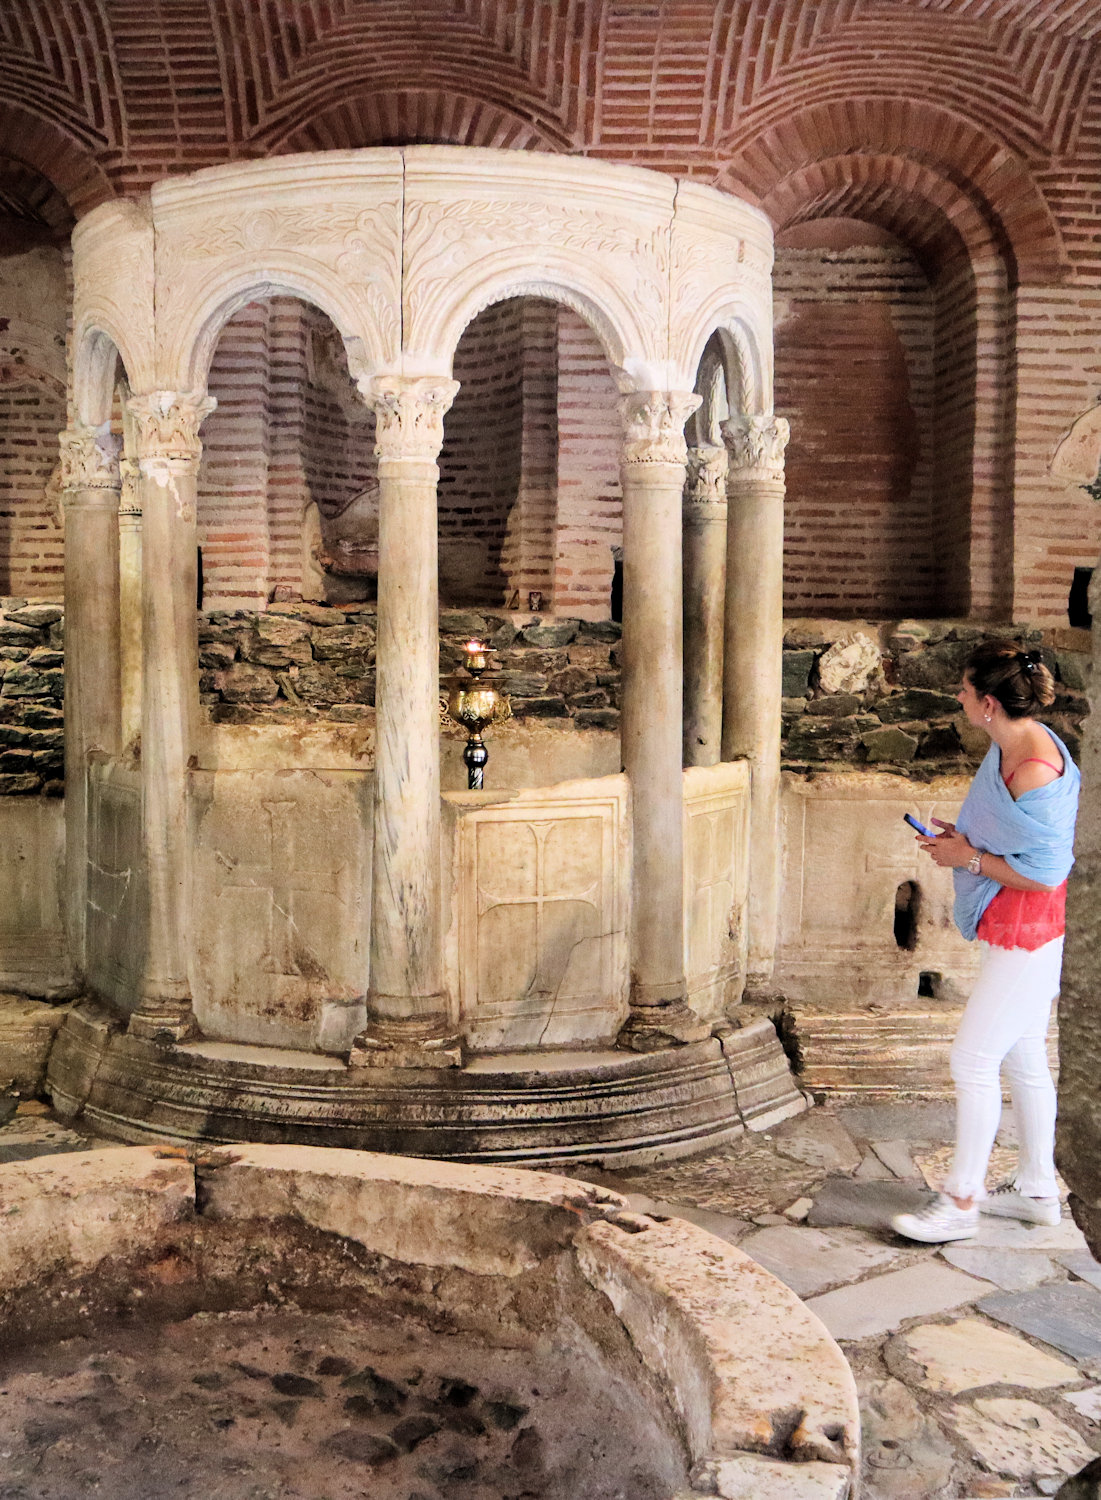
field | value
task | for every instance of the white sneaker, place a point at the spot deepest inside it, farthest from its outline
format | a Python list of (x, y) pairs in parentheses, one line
[(938, 1222), (1005, 1202)]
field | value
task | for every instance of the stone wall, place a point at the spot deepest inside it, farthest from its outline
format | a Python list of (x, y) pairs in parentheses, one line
[(314, 661), (32, 686), (883, 694)]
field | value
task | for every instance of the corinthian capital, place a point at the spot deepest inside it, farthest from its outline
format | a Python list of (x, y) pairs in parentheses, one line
[(89, 458), (705, 489), (409, 413), (167, 425), (756, 444), (654, 423)]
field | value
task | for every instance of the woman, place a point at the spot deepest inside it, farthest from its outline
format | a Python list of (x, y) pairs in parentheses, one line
[(1010, 853)]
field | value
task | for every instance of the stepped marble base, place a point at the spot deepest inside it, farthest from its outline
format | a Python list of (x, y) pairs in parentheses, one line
[(533, 1109), (880, 1055)]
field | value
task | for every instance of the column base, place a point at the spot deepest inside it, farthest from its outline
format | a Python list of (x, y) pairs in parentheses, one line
[(406, 1043), (651, 1028), (164, 1021)]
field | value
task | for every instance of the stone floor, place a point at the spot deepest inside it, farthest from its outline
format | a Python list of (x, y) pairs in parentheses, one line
[(978, 1364)]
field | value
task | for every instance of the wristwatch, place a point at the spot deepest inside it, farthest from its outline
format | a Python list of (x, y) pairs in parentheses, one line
[(974, 864)]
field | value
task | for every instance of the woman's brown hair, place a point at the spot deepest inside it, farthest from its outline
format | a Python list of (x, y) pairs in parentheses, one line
[(1017, 679)]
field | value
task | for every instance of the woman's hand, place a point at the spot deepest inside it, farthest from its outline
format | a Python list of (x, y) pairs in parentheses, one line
[(950, 849)]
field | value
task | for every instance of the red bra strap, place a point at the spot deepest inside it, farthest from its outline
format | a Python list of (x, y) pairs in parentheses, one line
[(1033, 759)]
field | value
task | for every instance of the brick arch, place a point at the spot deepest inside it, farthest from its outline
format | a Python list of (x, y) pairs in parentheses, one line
[(914, 203), (26, 194), (997, 184), (350, 69), (55, 152), (419, 116)]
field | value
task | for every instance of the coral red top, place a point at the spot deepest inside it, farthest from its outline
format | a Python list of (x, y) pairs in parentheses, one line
[(1024, 919)]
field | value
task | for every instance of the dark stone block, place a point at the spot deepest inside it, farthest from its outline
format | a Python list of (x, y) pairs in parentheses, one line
[(10, 735), (361, 1447), (1066, 1315), (217, 654), (916, 703), (561, 633), (940, 744), (522, 684), (599, 630), (597, 718), (245, 682), (25, 682), (889, 745), (12, 634), (940, 667), (412, 1431), (464, 622), (597, 698), (296, 1385), (37, 615), (541, 708), (863, 1205), (796, 670), (342, 641), (836, 706)]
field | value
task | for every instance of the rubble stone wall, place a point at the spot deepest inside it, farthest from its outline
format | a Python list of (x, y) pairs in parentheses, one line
[(32, 686)]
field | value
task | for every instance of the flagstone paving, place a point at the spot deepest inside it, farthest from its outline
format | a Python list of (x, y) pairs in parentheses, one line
[(812, 1199)]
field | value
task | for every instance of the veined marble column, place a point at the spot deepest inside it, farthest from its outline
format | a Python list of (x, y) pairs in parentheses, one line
[(408, 1022), (90, 478), (704, 612), (168, 452), (130, 600), (753, 668), (653, 473)]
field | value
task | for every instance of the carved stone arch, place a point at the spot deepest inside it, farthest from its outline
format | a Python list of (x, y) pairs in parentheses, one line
[(746, 349), (189, 348), (602, 308), (99, 356)]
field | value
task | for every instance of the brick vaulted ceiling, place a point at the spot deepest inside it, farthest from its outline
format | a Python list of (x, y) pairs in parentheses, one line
[(951, 122)]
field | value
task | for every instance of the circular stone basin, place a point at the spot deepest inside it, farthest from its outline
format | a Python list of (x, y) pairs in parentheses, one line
[(312, 1324)]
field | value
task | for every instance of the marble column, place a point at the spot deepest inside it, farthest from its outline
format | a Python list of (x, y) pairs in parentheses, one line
[(408, 1012), (753, 665), (90, 479), (130, 601), (704, 608), (168, 452), (653, 474)]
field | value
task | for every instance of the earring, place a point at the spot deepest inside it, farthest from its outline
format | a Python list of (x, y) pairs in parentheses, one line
[(986, 718)]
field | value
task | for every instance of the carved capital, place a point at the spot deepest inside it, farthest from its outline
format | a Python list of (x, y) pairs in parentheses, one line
[(409, 413), (167, 425), (705, 488), (756, 445), (89, 458), (654, 426)]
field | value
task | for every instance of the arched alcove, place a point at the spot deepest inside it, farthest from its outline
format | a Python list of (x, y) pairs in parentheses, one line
[(530, 503), (288, 503)]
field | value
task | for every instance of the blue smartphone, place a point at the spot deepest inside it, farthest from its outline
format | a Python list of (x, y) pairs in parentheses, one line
[(930, 833)]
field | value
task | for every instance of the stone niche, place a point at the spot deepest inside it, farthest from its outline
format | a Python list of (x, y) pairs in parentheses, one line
[(334, 1318)]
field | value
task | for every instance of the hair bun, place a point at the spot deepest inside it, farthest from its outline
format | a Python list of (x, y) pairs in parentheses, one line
[(1031, 660)]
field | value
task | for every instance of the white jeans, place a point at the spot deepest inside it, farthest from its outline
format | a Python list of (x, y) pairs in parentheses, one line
[(1006, 1021)]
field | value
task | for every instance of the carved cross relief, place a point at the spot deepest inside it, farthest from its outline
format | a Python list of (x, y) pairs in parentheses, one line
[(286, 951)]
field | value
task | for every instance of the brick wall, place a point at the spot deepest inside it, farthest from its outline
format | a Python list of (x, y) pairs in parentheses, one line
[(1056, 528), (482, 457), (31, 540), (590, 499), (854, 375)]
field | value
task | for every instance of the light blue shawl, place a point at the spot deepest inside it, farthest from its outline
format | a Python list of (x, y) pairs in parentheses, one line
[(1034, 834)]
